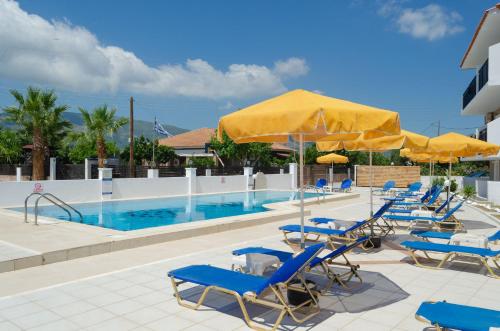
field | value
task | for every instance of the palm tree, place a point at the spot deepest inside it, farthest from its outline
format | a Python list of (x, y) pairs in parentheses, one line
[(98, 124), (40, 118)]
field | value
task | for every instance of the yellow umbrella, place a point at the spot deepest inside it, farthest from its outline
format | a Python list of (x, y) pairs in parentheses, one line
[(404, 139), (310, 115), (306, 116), (455, 144), (426, 157), (332, 158)]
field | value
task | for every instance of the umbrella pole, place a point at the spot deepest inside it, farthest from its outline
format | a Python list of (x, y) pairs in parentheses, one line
[(430, 174), (371, 194), (301, 179), (449, 186)]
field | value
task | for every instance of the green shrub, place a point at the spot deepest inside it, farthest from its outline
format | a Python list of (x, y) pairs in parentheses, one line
[(468, 191)]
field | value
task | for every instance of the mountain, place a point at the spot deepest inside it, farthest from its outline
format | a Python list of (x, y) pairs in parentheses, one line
[(121, 137)]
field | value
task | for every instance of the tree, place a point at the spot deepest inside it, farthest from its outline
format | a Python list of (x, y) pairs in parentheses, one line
[(78, 146), (201, 162), (41, 120), (11, 147), (99, 124), (143, 151), (249, 154)]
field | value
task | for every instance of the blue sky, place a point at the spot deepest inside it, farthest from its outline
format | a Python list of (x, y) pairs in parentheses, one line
[(189, 62)]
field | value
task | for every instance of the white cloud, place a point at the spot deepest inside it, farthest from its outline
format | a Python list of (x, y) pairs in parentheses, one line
[(431, 22), (227, 106), (71, 57)]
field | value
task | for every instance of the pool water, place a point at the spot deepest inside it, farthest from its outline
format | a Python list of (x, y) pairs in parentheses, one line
[(126, 215)]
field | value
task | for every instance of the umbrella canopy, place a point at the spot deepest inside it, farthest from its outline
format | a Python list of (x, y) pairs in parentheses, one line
[(455, 144), (426, 157), (306, 116), (332, 158), (404, 139), (314, 116)]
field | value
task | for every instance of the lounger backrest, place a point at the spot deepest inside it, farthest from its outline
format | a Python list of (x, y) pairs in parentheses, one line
[(450, 199), (346, 183), (388, 185), (435, 195), (452, 210), (414, 187), (321, 182), (383, 209), (427, 194), (495, 236), (292, 266), (339, 251)]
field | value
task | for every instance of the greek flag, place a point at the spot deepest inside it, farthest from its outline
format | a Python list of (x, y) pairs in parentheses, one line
[(160, 130)]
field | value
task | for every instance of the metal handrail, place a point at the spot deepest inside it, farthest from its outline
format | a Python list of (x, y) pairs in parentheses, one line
[(63, 203), (52, 198)]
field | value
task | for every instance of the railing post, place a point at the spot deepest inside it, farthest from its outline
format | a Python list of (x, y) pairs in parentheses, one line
[(248, 172), (208, 172), (191, 176), (52, 171), (153, 173), (293, 175), (106, 178), (87, 169), (18, 174)]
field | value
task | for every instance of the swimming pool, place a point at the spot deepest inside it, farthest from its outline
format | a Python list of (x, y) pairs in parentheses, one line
[(126, 215)]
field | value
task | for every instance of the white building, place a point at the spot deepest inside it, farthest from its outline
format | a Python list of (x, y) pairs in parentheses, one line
[(482, 95)]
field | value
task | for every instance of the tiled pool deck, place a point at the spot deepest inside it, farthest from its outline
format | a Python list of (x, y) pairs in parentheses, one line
[(128, 289)]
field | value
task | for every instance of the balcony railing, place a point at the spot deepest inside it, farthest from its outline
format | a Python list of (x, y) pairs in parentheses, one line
[(475, 85), (483, 133), (469, 94), (482, 76)]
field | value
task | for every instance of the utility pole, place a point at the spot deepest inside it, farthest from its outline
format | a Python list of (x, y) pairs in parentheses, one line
[(131, 163), (439, 127)]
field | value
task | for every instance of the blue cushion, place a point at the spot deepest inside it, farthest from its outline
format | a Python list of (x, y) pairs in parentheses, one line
[(459, 317), (322, 220), (445, 248), (432, 234), (207, 275), (324, 231), (495, 236)]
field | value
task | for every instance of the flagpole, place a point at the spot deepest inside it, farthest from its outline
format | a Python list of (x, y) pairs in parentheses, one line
[(154, 143)]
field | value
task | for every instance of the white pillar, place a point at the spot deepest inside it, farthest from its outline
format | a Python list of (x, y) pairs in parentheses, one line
[(106, 178), (248, 172), (191, 176), (88, 169), (18, 174), (293, 175), (52, 171), (330, 175), (208, 172), (282, 171), (153, 173)]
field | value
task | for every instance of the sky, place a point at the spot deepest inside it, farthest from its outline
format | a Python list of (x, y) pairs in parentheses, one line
[(189, 62)]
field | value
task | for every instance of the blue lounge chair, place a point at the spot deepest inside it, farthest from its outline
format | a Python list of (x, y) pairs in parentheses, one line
[(447, 221), (413, 189), (437, 210), (320, 184), (386, 189), (355, 231), (382, 210), (434, 196), (426, 235), (323, 262), (253, 289), (452, 251), (444, 315), (345, 186)]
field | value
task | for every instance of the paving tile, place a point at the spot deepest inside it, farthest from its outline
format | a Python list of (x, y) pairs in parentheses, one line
[(171, 323), (8, 326), (123, 307), (146, 315), (73, 308), (114, 324), (105, 299), (20, 310), (60, 325), (91, 317), (36, 319)]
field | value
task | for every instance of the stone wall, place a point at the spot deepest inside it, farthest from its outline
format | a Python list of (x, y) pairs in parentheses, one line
[(402, 175)]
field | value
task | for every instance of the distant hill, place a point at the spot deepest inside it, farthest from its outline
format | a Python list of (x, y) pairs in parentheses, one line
[(121, 137)]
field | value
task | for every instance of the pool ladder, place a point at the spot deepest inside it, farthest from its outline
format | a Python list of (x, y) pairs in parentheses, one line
[(52, 198)]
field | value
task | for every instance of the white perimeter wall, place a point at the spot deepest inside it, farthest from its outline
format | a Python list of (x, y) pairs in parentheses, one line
[(14, 193), (459, 179), (126, 188), (485, 188), (213, 184)]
